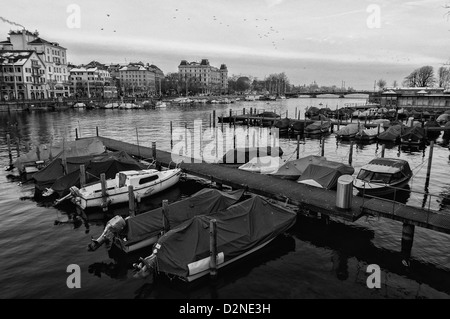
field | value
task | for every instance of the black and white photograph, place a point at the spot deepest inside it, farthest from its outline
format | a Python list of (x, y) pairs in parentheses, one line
[(226, 155)]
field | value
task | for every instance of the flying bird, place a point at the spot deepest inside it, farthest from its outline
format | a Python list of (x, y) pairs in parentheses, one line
[(107, 14)]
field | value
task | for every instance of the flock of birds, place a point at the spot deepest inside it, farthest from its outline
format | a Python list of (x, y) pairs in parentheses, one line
[(262, 31)]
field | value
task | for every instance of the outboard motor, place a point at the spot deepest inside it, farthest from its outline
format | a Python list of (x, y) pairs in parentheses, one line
[(114, 226)]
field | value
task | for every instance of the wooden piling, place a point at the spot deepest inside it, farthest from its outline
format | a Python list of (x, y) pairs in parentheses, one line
[(295, 112), (165, 213), (82, 175), (323, 145), (185, 140), (350, 155), (154, 150), (221, 120), (131, 201), (298, 146), (8, 141), (171, 131), (214, 118), (383, 148), (38, 152), (76, 133), (229, 118), (213, 248), (430, 159), (104, 194), (96, 130)]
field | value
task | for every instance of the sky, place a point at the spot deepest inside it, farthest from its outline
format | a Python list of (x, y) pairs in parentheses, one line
[(351, 42)]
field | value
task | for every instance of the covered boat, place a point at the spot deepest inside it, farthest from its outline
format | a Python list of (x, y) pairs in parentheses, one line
[(40, 157), (432, 134), (347, 132), (368, 134), (243, 155), (263, 165), (413, 137), (143, 230), (282, 125), (443, 118), (292, 170), (325, 174), (55, 179), (244, 228), (392, 134), (318, 127), (381, 174), (298, 126), (145, 183)]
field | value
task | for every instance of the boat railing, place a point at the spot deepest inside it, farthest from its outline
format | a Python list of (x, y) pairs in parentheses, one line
[(395, 201)]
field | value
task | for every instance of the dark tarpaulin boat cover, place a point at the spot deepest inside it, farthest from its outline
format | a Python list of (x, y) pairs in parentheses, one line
[(240, 228), (282, 124), (300, 124), (204, 202), (68, 149), (326, 173), (109, 163), (318, 125), (243, 155), (432, 134), (415, 134), (292, 170), (392, 133)]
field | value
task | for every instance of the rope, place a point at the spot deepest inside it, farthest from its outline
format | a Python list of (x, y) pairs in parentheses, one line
[(87, 173)]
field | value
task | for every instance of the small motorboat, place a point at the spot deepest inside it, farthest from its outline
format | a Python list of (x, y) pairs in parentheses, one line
[(380, 175), (160, 104), (292, 170), (143, 230), (413, 138), (263, 165), (392, 134), (185, 251), (145, 183), (368, 135)]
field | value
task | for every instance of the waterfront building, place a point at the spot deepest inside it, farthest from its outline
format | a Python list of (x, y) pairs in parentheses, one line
[(202, 77), (92, 80), (137, 80), (22, 75), (51, 53), (413, 97)]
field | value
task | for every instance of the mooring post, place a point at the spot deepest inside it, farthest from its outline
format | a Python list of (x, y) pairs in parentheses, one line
[(295, 112), (383, 149), (96, 130), (38, 153), (165, 213), (8, 140), (171, 131), (209, 120), (154, 150), (213, 248), (323, 145), (298, 146), (407, 239), (243, 111), (104, 194), (221, 120), (82, 175), (131, 201), (229, 118), (379, 127), (214, 118), (137, 139), (350, 155), (76, 133), (430, 159), (185, 139)]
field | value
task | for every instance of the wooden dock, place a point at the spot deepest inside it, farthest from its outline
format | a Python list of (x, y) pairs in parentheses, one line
[(309, 199)]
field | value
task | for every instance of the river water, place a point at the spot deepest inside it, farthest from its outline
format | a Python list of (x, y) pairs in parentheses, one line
[(316, 260)]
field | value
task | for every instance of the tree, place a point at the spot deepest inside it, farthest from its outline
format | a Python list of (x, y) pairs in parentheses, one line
[(394, 84), (381, 84), (243, 84), (422, 77), (444, 77)]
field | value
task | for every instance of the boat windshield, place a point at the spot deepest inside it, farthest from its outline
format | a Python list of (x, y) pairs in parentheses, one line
[(374, 177)]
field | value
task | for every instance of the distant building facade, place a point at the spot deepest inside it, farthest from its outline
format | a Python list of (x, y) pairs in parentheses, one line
[(414, 97), (203, 77), (51, 53), (92, 80), (22, 76), (137, 80)]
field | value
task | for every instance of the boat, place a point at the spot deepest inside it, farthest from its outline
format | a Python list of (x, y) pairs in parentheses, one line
[(413, 138), (392, 134), (146, 182), (292, 170), (242, 229), (347, 132), (129, 106), (113, 105), (160, 104), (432, 135), (143, 230), (56, 178), (368, 134), (283, 125), (78, 105), (38, 158), (263, 164), (381, 174), (325, 174), (298, 126), (318, 127)]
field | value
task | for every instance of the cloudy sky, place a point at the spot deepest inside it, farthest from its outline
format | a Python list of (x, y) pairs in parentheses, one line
[(326, 41)]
